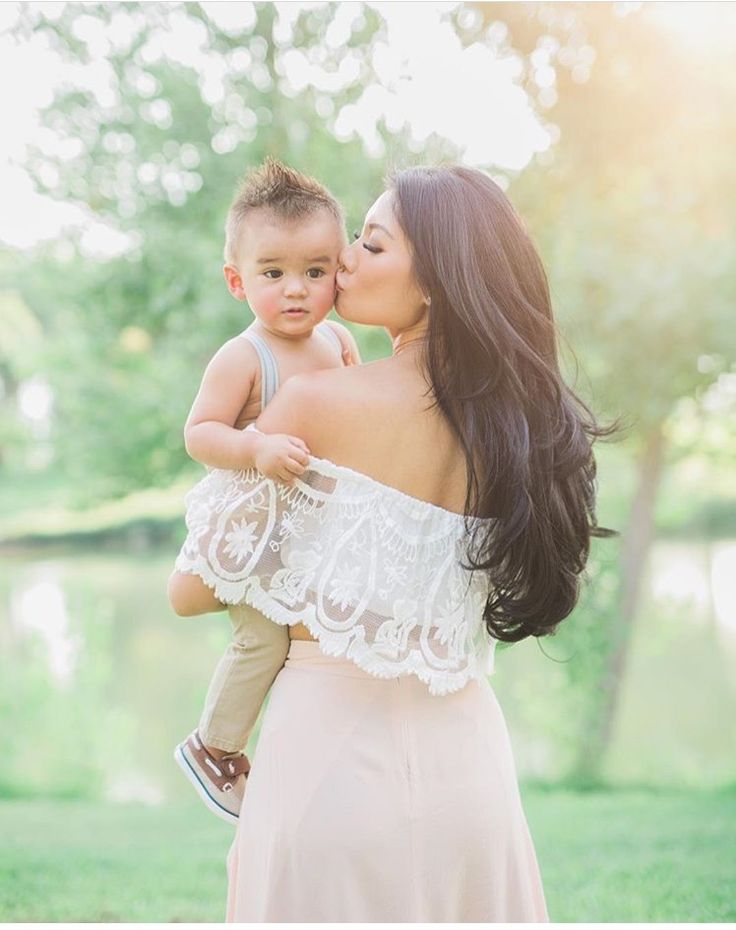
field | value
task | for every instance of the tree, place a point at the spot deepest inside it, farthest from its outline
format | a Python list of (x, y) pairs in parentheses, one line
[(634, 210), (153, 149)]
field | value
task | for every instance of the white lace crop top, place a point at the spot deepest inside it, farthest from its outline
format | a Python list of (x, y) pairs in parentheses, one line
[(373, 573)]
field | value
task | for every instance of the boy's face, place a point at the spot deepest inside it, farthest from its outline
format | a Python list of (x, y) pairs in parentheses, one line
[(286, 269)]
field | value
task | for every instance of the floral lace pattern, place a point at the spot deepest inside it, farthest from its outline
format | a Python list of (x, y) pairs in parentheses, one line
[(373, 573)]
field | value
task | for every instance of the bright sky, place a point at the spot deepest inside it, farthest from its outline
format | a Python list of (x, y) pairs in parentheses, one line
[(470, 96)]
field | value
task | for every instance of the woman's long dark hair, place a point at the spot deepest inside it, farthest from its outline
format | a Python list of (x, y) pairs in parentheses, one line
[(491, 357)]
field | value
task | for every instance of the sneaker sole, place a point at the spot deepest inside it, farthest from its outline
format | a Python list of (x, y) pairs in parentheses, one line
[(201, 788)]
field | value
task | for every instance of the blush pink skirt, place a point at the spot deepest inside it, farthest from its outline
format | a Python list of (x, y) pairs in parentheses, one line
[(370, 799)]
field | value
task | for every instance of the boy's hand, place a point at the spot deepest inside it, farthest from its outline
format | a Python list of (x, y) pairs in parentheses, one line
[(347, 356), (281, 457)]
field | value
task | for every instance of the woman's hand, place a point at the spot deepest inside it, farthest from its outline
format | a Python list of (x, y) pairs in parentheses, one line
[(281, 457)]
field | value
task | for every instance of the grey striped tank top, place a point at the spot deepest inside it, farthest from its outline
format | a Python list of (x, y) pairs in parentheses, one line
[(269, 368)]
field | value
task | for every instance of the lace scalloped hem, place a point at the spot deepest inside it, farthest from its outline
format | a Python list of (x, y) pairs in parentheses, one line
[(330, 643)]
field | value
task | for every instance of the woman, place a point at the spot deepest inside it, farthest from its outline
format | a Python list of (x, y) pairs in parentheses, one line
[(449, 503)]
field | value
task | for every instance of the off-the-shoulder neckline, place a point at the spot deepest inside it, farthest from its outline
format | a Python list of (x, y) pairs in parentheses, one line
[(337, 470)]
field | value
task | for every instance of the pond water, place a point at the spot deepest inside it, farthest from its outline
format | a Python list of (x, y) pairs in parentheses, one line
[(99, 680)]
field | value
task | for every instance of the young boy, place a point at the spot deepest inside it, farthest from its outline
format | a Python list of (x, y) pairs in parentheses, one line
[(284, 233)]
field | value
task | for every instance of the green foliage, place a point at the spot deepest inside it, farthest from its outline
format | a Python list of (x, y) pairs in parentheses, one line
[(632, 236), (126, 339), (634, 208)]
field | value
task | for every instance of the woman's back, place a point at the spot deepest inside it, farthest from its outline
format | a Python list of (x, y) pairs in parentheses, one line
[(376, 419)]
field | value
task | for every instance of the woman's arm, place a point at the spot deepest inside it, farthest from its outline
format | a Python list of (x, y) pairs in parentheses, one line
[(189, 596)]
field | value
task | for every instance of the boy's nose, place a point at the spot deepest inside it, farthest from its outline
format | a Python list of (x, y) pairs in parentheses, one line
[(295, 286)]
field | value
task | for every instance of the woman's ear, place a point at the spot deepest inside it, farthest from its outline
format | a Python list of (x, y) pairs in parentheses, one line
[(234, 282)]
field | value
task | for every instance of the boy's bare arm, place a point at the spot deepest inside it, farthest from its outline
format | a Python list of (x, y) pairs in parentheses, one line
[(350, 351), (209, 433), (291, 409)]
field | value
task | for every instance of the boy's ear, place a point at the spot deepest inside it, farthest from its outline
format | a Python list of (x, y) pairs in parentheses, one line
[(234, 282)]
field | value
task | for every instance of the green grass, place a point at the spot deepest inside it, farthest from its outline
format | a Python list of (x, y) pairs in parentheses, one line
[(605, 856), (87, 862), (636, 855)]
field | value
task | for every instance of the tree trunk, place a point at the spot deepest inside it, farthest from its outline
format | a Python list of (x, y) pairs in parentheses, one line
[(635, 546)]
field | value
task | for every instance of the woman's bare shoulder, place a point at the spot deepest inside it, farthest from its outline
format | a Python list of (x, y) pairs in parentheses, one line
[(373, 419), (323, 407)]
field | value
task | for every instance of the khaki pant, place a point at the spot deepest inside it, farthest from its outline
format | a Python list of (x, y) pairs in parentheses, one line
[(242, 678)]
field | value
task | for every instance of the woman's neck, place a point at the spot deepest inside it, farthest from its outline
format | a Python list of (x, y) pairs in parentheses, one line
[(410, 339)]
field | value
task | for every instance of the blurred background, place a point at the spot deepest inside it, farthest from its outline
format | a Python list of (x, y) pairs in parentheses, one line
[(125, 128)]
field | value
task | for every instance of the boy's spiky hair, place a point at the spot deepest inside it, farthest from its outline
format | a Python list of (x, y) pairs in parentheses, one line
[(288, 193)]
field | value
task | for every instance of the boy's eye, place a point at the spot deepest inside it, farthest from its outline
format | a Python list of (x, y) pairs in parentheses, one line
[(273, 271), (319, 273)]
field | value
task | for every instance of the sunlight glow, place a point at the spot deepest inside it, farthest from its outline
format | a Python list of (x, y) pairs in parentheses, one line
[(130, 786), (474, 99), (681, 580), (723, 581), (701, 578), (35, 400), (40, 608), (703, 23)]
